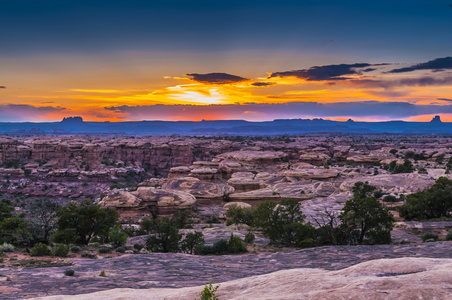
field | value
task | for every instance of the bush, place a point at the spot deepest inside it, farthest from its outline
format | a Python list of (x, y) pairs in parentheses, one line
[(138, 247), (104, 250), (75, 249), (429, 236), (80, 223), (431, 203), (69, 272), (192, 241), (235, 245), (120, 250), (240, 215), (422, 171), (390, 198), (449, 236), (283, 223), (40, 249), (89, 255), (117, 237), (307, 243), (406, 167), (220, 247), (7, 247), (249, 238), (365, 220), (209, 292), (61, 250), (165, 236)]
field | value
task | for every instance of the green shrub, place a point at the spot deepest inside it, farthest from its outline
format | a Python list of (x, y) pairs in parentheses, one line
[(220, 247), (249, 238), (40, 249), (61, 250), (75, 249), (165, 236), (240, 215), (422, 171), (192, 241), (7, 247), (117, 237), (104, 250), (431, 203), (390, 198), (89, 255), (138, 247), (307, 243), (69, 272), (120, 250), (449, 236), (429, 236), (209, 292), (235, 245), (102, 274)]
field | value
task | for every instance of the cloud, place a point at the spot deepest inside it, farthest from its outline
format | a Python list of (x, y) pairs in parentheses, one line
[(2, 87), (444, 99), (25, 112), (328, 72), (261, 83), (419, 81), (267, 111), (437, 64), (216, 78)]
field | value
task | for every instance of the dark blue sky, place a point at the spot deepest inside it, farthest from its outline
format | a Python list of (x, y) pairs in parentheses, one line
[(419, 29)]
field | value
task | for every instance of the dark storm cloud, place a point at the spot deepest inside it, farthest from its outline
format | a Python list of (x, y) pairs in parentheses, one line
[(437, 64), (328, 72), (217, 78), (2, 87), (444, 99), (260, 83), (388, 110)]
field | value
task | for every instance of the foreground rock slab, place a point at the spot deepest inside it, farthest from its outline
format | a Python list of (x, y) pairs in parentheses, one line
[(176, 270), (400, 278)]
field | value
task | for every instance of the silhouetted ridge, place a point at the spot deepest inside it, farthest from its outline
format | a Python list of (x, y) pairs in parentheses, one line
[(436, 120), (72, 120)]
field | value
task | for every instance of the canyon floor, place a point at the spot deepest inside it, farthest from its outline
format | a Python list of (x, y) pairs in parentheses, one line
[(142, 177)]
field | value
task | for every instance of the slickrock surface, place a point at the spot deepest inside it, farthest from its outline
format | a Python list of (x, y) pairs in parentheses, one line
[(400, 278), (169, 270)]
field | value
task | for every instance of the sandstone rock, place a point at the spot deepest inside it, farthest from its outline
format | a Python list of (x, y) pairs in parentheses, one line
[(317, 173), (244, 182), (206, 191), (145, 201), (393, 183), (314, 158), (256, 157), (400, 278), (237, 204)]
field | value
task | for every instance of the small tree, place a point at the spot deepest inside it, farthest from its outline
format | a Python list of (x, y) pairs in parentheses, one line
[(117, 237), (42, 218), (165, 236), (364, 219), (79, 223), (192, 241), (283, 223), (431, 203)]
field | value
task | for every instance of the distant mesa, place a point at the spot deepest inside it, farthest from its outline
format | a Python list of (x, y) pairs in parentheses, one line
[(72, 120), (436, 120)]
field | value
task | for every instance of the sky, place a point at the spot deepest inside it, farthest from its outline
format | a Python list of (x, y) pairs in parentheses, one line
[(236, 59)]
